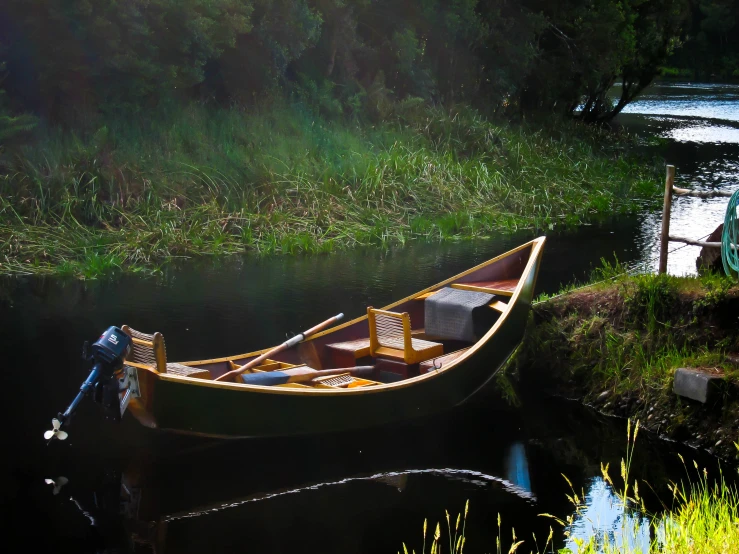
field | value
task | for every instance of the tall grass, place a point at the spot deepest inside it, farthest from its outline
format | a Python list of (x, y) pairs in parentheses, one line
[(282, 179), (627, 333), (703, 519)]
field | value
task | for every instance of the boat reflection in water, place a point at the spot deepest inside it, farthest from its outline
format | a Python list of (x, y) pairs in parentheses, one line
[(368, 492), (144, 512), (150, 530)]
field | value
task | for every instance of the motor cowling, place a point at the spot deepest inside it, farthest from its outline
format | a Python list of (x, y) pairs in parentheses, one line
[(111, 349), (109, 353)]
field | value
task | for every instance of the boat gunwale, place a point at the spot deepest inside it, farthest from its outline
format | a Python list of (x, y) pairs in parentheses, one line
[(536, 248)]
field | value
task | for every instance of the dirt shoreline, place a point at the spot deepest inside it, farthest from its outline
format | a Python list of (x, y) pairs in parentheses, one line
[(615, 348)]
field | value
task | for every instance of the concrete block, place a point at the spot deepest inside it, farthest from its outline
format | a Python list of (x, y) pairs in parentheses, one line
[(697, 385)]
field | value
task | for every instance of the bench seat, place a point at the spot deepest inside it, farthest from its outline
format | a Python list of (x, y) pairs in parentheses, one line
[(504, 287), (187, 371)]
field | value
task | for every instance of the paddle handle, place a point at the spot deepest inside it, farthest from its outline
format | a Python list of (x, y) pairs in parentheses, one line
[(284, 346)]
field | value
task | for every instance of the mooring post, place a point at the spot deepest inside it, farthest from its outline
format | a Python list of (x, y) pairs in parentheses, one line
[(666, 210)]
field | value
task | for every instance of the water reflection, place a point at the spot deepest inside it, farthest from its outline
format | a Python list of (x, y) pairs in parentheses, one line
[(366, 493), (695, 101), (604, 518), (701, 123), (517, 467)]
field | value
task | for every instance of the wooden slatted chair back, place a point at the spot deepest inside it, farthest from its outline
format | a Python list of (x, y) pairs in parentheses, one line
[(390, 336), (147, 349)]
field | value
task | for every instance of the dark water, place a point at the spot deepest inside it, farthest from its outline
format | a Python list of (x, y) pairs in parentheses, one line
[(364, 492)]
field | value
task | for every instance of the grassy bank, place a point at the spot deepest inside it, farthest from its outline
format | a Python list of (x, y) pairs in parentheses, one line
[(137, 192), (616, 345)]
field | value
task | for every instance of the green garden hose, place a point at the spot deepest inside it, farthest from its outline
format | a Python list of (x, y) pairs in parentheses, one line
[(730, 237)]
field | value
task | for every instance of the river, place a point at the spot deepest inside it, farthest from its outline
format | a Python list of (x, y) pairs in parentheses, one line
[(368, 492), (700, 127)]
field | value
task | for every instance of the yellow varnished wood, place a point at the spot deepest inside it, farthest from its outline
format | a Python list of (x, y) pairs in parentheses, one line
[(269, 366), (410, 354), (359, 382), (160, 355), (141, 342), (359, 348), (499, 306), (532, 265), (308, 354), (535, 244), (141, 366), (426, 295), (472, 288)]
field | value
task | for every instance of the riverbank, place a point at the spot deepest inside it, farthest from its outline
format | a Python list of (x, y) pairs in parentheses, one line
[(615, 345), (132, 195)]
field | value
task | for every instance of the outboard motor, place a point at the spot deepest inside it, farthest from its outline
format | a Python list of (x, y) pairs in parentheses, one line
[(107, 355)]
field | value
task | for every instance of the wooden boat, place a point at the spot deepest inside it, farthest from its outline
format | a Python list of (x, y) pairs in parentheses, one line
[(416, 374)]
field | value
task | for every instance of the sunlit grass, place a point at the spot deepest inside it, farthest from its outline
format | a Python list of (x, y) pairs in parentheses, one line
[(281, 179), (627, 332)]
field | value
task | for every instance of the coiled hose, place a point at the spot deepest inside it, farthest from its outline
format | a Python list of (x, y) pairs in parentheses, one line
[(730, 237)]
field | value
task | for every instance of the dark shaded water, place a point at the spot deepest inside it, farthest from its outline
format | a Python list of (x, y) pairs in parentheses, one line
[(365, 492)]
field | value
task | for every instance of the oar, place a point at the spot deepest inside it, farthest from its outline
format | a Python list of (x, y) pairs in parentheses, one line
[(284, 346), (299, 375)]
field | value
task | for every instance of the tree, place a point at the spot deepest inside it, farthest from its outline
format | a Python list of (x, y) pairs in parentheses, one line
[(587, 45), (11, 125)]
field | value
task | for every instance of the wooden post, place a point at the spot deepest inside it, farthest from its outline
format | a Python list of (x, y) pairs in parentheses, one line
[(666, 210)]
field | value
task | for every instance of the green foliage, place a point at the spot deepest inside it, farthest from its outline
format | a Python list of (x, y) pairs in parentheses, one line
[(630, 333), (711, 42), (588, 45), (282, 178), (650, 300), (71, 60), (11, 125)]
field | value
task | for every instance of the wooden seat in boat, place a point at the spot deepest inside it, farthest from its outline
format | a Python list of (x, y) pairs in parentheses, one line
[(149, 351), (391, 337), (345, 354), (504, 287), (357, 348)]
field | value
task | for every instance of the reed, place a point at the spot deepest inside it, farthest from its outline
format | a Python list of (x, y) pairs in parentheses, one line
[(131, 194), (703, 518), (627, 332)]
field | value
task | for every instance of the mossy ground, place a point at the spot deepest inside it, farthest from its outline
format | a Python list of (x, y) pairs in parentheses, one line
[(617, 344)]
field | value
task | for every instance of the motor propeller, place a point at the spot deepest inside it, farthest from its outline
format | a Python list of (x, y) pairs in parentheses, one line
[(56, 432), (58, 484)]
